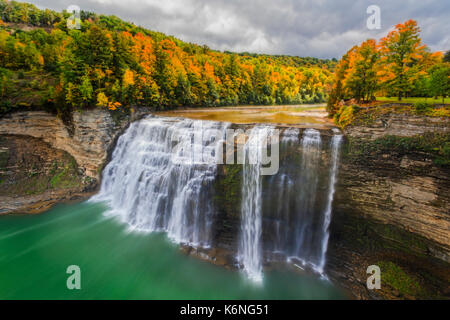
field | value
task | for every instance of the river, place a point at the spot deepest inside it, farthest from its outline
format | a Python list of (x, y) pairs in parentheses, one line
[(118, 264)]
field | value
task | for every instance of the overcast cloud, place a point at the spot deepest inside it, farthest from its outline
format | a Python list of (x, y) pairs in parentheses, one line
[(317, 28)]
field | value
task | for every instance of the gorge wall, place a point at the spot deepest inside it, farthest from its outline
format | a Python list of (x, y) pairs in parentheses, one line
[(86, 139), (391, 208), (92, 133)]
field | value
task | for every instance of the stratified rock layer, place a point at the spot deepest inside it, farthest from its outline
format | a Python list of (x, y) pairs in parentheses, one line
[(399, 125), (391, 206), (88, 138), (93, 133)]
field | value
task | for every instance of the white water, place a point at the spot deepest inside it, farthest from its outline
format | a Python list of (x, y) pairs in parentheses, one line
[(251, 216), (306, 233), (154, 188), (299, 204), (335, 147), (151, 187)]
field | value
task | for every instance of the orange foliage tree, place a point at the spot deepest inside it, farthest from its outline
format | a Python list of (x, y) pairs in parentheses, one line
[(401, 53), (398, 65)]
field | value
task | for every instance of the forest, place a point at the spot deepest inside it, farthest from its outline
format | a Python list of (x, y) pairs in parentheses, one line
[(114, 64)]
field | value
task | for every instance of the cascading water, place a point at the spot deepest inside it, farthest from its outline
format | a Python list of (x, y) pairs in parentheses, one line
[(335, 146), (298, 212), (307, 234), (154, 187), (250, 238), (158, 182)]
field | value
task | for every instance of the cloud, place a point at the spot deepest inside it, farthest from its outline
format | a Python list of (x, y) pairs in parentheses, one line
[(320, 28)]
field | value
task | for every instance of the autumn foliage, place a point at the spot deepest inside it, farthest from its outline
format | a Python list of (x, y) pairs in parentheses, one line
[(113, 64), (398, 65)]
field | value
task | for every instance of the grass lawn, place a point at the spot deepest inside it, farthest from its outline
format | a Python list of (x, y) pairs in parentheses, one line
[(414, 100)]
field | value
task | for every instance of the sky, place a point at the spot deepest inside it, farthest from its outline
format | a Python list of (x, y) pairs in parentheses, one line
[(316, 28)]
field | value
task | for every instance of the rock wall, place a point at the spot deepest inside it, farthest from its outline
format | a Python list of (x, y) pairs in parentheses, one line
[(34, 175), (93, 133), (394, 194), (399, 125), (88, 138), (393, 207)]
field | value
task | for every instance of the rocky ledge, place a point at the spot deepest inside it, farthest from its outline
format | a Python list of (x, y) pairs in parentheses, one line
[(44, 160)]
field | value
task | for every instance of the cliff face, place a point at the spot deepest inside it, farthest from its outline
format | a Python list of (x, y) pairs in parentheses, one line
[(93, 133), (399, 125), (87, 139), (34, 175), (392, 206)]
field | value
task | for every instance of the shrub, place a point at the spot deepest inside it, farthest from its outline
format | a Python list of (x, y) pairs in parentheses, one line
[(5, 106), (346, 115), (397, 278), (422, 108)]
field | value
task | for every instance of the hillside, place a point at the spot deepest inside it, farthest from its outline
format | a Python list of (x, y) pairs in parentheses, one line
[(114, 64)]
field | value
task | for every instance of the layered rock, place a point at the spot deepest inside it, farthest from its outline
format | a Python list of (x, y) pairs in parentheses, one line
[(93, 133), (88, 138), (34, 175), (399, 125), (391, 205)]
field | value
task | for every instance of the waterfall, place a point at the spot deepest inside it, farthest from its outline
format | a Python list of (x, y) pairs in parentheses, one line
[(307, 235), (153, 186), (161, 179), (297, 202), (335, 147), (250, 238)]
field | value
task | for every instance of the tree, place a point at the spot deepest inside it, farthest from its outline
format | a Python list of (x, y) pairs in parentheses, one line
[(102, 100), (401, 50), (362, 76), (447, 56), (85, 89), (112, 63), (440, 80), (338, 92)]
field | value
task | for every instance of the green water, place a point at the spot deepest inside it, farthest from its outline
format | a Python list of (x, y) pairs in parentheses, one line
[(35, 252)]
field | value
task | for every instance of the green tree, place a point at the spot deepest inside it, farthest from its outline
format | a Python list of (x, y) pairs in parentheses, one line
[(446, 56), (440, 80), (401, 52), (85, 89), (362, 79)]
